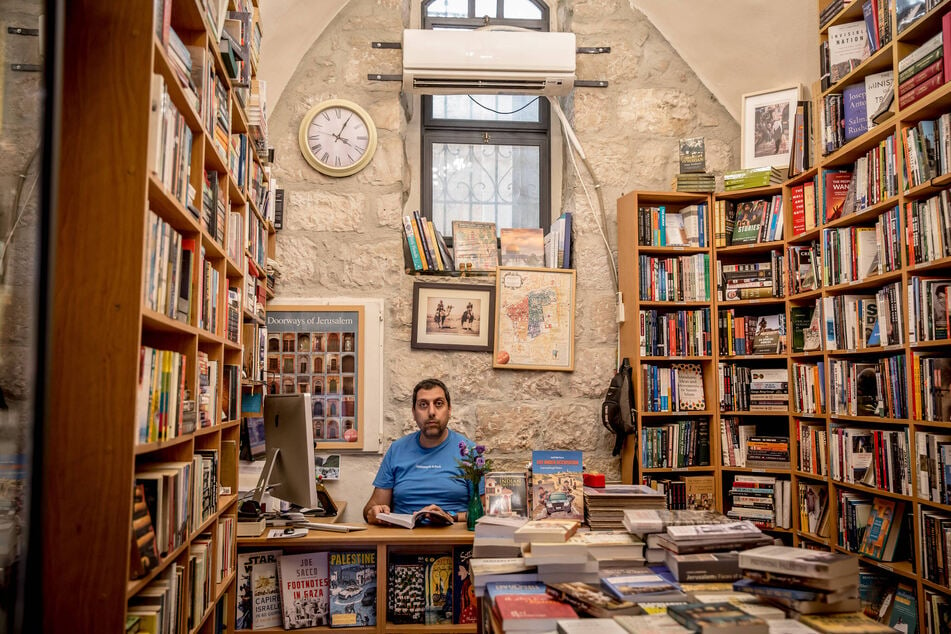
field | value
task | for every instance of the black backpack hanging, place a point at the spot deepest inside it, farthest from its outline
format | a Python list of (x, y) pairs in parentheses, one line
[(617, 411)]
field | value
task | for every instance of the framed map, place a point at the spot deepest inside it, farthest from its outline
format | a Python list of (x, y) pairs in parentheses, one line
[(535, 319)]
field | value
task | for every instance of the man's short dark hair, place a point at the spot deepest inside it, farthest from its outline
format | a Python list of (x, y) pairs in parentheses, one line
[(428, 384)]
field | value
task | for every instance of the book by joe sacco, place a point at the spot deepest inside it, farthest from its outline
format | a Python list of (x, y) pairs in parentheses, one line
[(557, 487)]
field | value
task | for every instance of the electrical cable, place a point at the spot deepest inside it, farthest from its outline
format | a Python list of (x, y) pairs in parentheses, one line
[(485, 107), (16, 203)]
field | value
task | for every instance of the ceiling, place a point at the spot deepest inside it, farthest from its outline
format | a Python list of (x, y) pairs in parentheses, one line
[(734, 46)]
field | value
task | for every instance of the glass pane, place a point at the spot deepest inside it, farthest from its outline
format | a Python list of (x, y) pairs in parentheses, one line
[(485, 183), (447, 9), (485, 7), (522, 10), (523, 108)]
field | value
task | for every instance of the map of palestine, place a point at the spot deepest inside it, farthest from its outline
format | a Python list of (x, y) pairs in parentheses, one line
[(535, 319)]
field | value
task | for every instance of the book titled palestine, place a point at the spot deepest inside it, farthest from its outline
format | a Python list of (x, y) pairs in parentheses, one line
[(352, 588)]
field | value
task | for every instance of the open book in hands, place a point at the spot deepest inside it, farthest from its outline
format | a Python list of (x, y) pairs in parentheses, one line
[(419, 518)]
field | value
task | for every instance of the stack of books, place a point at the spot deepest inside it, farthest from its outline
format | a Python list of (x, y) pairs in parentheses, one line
[(524, 607), (921, 71), (545, 546), (720, 617), (651, 526), (801, 580), (696, 183), (763, 500), (590, 600), (754, 177), (769, 452), (495, 536), (605, 548), (604, 507)]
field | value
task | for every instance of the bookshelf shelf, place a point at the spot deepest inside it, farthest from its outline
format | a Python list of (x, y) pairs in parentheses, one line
[(872, 281), (763, 301), (871, 490), (754, 412), (807, 237), (755, 192), (850, 13), (813, 538), (810, 476), (758, 247)]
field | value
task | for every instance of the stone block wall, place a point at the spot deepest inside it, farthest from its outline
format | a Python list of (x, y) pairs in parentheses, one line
[(343, 237)]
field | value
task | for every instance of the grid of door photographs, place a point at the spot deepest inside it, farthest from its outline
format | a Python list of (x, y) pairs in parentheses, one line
[(324, 364)]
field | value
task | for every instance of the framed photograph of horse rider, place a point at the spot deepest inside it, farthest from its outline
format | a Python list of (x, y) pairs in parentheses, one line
[(453, 316)]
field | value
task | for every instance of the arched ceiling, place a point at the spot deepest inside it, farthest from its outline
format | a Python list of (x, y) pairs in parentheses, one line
[(734, 46)]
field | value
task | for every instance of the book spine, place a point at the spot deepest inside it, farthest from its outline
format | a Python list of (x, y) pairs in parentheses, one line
[(411, 243)]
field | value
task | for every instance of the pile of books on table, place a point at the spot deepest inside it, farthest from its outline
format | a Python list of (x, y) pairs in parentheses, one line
[(699, 183), (604, 507)]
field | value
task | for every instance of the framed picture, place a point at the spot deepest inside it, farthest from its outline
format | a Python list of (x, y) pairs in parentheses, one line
[(535, 320), (453, 316), (322, 350), (766, 127)]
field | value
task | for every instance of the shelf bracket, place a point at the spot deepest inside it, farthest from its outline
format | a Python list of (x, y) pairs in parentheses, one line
[(26, 68), (21, 30), (592, 50), (378, 77), (591, 83), (396, 45)]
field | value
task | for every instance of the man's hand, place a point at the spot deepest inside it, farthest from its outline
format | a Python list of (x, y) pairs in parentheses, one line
[(375, 510), (436, 509)]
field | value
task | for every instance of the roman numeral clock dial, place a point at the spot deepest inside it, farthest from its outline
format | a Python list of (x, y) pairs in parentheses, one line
[(337, 137)]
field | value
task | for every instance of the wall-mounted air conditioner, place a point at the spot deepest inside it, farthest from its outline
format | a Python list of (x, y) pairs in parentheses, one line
[(457, 62)]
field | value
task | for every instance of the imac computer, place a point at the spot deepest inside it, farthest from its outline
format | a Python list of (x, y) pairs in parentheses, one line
[(288, 471)]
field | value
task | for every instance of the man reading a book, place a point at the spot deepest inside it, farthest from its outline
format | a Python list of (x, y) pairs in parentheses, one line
[(418, 472)]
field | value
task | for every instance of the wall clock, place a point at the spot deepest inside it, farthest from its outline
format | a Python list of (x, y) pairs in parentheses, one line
[(337, 137)]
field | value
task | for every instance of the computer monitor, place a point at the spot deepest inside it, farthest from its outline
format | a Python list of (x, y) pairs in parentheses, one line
[(288, 471)]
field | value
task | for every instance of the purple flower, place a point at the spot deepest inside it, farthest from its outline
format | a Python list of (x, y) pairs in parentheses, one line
[(480, 449), (463, 449), (480, 461)]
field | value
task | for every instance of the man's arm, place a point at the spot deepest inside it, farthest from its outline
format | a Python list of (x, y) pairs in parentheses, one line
[(379, 502)]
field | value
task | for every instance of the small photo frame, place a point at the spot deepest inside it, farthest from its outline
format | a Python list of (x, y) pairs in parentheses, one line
[(453, 316), (766, 127)]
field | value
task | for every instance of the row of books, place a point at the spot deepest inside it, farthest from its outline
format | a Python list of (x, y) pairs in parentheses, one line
[(803, 207), (861, 100), (850, 254), (934, 459), (812, 445), (875, 458), (868, 389), (806, 321), (925, 147), (751, 334), (935, 533), (678, 333), (750, 221), (802, 143), (677, 279), (743, 388), (928, 305), (752, 280), (875, 177), (681, 443), (814, 515), (854, 321), (873, 527), (427, 248), (930, 222), (696, 492), (804, 267), (169, 144), (662, 227), (931, 388), (808, 395), (677, 388), (765, 501)]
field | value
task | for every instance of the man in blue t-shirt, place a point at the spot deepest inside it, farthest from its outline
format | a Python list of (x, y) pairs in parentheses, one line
[(417, 472)]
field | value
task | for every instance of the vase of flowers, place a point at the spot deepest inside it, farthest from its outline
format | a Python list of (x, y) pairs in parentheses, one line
[(473, 464)]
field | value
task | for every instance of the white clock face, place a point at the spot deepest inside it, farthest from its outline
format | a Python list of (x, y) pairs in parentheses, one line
[(338, 138)]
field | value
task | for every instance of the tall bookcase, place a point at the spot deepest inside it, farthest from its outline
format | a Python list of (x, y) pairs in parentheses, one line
[(908, 217), (142, 263)]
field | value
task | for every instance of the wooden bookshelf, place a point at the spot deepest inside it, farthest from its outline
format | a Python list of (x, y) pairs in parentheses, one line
[(111, 206)]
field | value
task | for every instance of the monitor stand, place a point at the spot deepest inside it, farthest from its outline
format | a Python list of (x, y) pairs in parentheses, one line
[(325, 505)]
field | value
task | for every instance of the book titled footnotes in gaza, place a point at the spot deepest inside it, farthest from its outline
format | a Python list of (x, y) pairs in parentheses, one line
[(557, 486)]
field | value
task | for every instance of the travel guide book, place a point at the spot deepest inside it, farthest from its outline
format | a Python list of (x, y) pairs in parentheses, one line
[(557, 486)]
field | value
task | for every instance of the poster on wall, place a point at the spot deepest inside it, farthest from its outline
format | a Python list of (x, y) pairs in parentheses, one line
[(321, 350)]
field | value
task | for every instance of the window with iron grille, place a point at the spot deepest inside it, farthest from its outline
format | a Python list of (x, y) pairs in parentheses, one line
[(486, 158)]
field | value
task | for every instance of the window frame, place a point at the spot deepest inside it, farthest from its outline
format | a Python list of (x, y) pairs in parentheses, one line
[(500, 133)]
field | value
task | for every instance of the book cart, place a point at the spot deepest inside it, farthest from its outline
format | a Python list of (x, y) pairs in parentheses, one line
[(164, 200)]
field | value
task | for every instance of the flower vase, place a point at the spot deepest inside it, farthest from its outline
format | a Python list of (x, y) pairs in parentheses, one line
[(475, 510)]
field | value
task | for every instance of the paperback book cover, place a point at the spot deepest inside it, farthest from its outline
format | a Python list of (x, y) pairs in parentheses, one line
[(692, 156), (464, 605), (856, 118), (305, 589), (406, 593), (750, 215), (557, 486), (438, 575), (244, 613), (352, 588), (506, 493), (266, 596)]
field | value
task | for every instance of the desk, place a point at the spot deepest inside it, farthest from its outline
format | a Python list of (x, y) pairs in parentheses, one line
[(382, 539)]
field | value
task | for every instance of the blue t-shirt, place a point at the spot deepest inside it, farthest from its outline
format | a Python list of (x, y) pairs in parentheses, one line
[(419, 476)]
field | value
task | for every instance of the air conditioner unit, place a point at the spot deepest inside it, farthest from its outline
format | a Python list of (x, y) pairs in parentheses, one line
[(456, 62)]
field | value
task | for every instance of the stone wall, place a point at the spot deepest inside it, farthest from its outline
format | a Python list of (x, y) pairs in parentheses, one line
[(343, 237)]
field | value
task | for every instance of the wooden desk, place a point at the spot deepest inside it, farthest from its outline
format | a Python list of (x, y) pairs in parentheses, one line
[(382, 539)]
